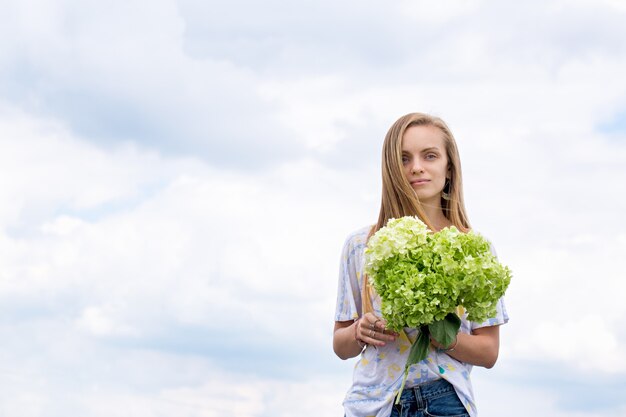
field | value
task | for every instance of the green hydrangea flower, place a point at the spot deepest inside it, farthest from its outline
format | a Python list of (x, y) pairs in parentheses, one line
[(421, 276)]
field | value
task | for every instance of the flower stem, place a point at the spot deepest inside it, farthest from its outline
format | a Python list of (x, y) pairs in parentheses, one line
[(406, 374)]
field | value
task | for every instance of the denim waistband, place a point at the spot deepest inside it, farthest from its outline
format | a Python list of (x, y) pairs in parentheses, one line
[(426, 391)]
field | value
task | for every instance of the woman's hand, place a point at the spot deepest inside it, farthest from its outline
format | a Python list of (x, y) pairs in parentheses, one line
[(349, 337), (448, 348), (371, 330)]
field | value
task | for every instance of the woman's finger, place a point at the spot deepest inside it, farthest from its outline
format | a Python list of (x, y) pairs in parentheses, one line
[(374, 321), (376, 337)]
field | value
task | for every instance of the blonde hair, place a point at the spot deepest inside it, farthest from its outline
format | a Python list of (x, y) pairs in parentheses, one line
[(398, 197)]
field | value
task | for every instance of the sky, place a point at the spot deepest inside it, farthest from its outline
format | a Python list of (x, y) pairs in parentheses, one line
[(177, 179)]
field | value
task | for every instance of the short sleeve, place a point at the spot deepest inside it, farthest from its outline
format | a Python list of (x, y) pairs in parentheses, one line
[(501, 317), (350, 271)]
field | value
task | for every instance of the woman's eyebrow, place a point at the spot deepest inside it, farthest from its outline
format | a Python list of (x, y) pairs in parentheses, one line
[(432, 148)]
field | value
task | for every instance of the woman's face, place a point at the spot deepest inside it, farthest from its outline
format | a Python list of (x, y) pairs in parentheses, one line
[(425, 162)]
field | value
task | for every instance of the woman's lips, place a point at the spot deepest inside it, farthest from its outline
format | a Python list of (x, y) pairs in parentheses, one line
[(419, 182)]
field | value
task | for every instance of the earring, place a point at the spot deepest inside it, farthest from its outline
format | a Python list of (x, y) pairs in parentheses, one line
[(446, 192)]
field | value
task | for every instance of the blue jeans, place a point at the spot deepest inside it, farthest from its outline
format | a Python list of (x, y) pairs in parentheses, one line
[(436, 398)]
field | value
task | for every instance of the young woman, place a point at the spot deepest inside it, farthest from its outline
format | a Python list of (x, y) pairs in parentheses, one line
[(421, 173)]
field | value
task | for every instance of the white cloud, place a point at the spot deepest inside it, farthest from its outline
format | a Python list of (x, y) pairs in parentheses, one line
[(506, 393), (256, 397), (119, 73), (570, 299), (97, 321), (208, 393), (198, 248)]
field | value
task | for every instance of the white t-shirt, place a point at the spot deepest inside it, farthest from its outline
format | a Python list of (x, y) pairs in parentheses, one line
[(378, 373)]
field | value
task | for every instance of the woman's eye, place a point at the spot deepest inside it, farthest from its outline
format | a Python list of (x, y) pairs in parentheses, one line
[(431, 156), (405, 159)]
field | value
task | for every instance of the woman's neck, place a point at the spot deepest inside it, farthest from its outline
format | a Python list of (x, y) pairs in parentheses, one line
[(436, 217)]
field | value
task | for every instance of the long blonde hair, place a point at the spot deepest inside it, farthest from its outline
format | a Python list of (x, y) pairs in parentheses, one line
[(398, 197)]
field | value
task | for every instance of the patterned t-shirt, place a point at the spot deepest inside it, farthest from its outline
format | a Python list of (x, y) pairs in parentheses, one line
[(378, 373)]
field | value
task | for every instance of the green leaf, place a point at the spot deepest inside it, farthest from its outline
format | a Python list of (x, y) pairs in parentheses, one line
[(419, 349), (444, 331)]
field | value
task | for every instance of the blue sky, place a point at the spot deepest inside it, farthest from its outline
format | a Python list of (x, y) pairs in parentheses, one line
[(177, 179)]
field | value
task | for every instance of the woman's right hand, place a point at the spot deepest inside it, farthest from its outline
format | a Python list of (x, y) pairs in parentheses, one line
[(350, 337), (371, 330)]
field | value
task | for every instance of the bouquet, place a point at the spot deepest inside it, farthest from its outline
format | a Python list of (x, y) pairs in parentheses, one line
[(422, 277)]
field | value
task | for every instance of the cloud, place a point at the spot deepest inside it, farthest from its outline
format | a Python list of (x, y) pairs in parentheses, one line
[(555, 391), (197, 389), (202, 264), (118, 73), (161, 285)]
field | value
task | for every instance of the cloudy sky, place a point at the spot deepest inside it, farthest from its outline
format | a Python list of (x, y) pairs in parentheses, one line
[(177, 178)]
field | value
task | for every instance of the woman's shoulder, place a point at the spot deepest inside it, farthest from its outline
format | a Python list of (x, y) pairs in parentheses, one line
[(356, 241), (359, 236)]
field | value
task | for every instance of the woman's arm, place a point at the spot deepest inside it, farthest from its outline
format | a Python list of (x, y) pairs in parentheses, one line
[(344, 341), (479, 348), (349, 337)]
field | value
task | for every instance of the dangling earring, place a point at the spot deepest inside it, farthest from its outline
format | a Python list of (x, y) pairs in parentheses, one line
[(445, 193)]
